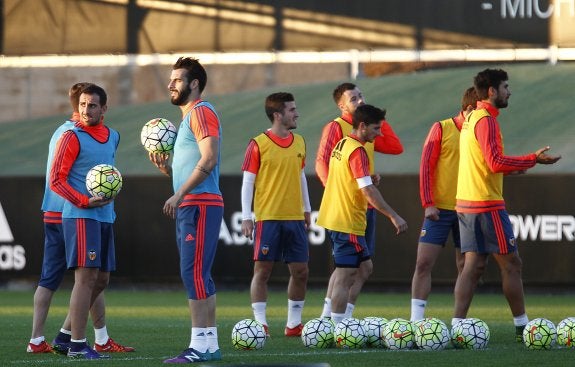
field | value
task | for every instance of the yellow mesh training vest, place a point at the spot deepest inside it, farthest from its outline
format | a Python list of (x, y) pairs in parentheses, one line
[(445, 187), (346, 128), (343, 205), (475, 180), (278, 182)]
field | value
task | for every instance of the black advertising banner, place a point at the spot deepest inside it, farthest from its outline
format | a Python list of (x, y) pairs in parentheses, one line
[(540, 208)]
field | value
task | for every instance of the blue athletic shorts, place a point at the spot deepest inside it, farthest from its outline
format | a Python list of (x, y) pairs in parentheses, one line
[(436, 232), (197, 234), (281, 240), (349, 250), (54, 260), (89, 244), (487, 233)]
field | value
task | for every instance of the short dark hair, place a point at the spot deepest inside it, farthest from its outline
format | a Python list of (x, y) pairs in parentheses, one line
[(486, 79), (74, 94), (367, 114), (275, 102), (96, 89), (195, 70), (341, 89), (469, 98)]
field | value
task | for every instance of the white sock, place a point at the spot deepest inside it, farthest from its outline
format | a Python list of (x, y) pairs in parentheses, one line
[(337, 317), (520, 320), (295, 309), (199, 339), (349, 310), (417, 309), (455, 320), (37, 341), (78, 340), (67, 332), (101, 335), (326, 312), (212, 336), (259, 309)]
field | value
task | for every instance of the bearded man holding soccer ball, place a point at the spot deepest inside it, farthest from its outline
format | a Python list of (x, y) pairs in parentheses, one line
[(86, 219), (197, 203)]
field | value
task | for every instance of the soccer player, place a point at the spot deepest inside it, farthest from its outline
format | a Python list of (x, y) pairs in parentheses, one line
[(54, 262), (197, 203), (348, 190), (274, 164), (87, 221), (483, 220), (437, 187), (348, 97)]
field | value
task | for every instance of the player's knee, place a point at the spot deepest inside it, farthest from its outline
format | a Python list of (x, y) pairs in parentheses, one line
[(423, 266), (300, 273), (513, 266)]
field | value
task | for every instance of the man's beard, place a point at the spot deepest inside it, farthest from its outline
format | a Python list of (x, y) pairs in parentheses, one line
[(501, 103), (182, 97)]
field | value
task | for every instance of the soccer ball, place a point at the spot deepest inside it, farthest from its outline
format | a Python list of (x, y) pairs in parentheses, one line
[(373, 327), (431, 334), (158, 135), (398, 334), (317, 333), (471, 333), (539, 334), (104, 180), (566, 332), (349, 333), (248, 334)]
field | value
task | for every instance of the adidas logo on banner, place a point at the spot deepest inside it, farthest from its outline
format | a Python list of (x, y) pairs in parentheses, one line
[(5, 232), (12, 256)]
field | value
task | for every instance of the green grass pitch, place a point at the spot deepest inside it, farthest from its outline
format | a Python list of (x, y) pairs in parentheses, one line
[(157, 324)]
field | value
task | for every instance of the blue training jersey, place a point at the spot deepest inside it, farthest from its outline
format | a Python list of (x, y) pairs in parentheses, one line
[(92, 153), (187, 154), (53, 202)]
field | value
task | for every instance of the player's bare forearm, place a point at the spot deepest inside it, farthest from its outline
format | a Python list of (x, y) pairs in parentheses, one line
[(375, 198)]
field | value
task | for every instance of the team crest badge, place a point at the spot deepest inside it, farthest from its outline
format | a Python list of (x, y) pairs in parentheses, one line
[(92, 255), (265, 249), (423, 232), (512, 241)]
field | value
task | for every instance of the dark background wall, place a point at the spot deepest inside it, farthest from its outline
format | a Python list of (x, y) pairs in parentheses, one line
[(540, 206), (208, 26)]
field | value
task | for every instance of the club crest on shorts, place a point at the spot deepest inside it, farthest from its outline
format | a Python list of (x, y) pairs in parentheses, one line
[(265, 249), (92, 255), (512, 241), (423, 232)]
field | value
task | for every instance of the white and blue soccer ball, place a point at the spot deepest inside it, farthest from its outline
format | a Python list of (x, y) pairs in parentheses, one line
[(431, 334), (318, 333), (349, 333), (248, 334), (373, 327), (470, 333), (539, 333), (158, 135)]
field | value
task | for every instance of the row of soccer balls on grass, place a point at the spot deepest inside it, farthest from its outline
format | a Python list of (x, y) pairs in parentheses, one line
[(157, 136), (395, 334)]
